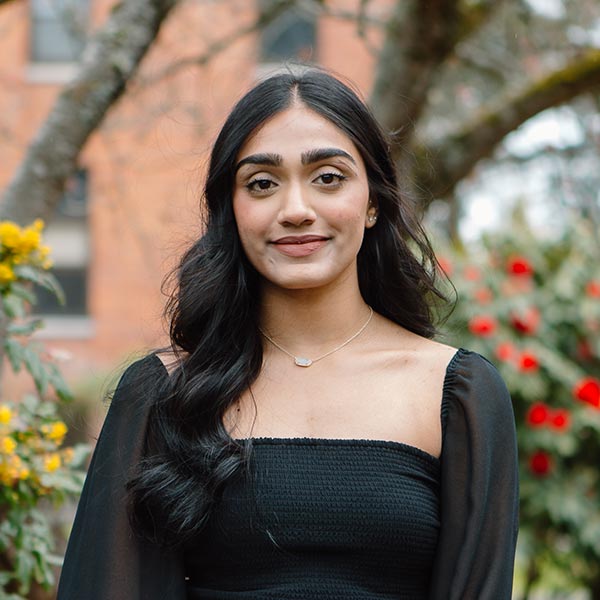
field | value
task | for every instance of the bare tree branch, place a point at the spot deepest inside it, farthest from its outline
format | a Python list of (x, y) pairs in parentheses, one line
[(264, 18), (440, 168), (474, 15), (420, 36), (109, 61)]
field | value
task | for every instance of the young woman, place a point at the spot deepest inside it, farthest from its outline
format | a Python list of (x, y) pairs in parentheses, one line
[(305, 438)]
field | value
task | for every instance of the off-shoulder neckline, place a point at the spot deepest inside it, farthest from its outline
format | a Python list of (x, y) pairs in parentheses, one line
[(350, 442), (415, 450)]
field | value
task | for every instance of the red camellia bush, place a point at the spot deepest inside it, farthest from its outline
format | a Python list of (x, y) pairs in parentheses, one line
[(592, 289), (588, 390), (482, 325), (561, 419), (526, 321), (540, 463), (535, 312), (537, 414), (528, 362), (519, 265)]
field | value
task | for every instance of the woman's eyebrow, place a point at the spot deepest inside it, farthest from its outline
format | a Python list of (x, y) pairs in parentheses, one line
[(312, 156), (273, 160)]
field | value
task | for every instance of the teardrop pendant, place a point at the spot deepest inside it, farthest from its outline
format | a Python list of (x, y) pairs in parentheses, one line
[(302, 362)]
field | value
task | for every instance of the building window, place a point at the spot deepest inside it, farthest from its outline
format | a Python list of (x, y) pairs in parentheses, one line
[(291, 36), (68, 236), (74, 284), (58, 30)]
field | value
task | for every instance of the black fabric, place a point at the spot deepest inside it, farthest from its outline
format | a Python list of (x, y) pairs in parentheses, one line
[(104, 560), (321, 519), (480, 487), (478, 496)]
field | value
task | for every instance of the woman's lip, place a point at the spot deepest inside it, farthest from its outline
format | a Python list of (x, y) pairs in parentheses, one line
[(297, 249), (299, 239)]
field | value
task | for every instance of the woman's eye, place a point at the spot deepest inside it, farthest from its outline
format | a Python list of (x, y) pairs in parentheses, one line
[(260, 185), (331, 179)]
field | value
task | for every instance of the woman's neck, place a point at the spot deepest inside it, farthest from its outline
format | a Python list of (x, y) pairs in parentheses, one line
[(312, 320)]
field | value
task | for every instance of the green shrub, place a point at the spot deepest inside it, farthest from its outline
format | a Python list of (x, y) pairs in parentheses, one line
[(35, 468), (532, 306)]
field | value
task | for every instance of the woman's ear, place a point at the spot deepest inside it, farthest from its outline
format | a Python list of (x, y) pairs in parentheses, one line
[(371, 216)]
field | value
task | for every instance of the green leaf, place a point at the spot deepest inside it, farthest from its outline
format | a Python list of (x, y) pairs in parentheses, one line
[(14, 307), (26, 328), (57, 381), (35, 366), (43, 279), (15, 352), (80, 453), (24, 291)]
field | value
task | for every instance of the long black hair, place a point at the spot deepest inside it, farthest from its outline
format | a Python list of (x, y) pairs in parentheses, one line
[(214, 309)]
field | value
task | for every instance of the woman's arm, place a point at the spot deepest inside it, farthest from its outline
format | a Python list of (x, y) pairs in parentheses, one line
[(479, 487), (104, 559)]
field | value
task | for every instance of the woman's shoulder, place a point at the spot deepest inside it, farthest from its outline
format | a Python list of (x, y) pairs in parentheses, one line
[(469, 368), (138, 383), (474, 386)]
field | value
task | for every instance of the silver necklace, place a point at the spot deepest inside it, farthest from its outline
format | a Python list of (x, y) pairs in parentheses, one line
[(302, 361)]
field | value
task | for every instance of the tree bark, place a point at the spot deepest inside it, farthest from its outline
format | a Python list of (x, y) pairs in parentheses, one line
[(441, 167), (109, 61), (419, 37)]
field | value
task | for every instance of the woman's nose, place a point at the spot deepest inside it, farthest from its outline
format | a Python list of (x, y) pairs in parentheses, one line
[(296, 208)]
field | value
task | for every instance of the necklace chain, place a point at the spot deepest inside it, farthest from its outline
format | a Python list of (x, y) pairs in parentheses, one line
[(302, 361)]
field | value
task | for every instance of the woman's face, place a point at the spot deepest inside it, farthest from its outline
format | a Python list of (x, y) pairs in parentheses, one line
[(301, 201)]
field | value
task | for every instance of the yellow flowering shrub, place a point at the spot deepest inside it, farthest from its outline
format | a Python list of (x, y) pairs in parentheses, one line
[(21, 246), (35, 466)]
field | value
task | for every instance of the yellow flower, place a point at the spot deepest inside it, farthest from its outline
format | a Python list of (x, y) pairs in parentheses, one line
[(55, 431), (6, 274), (16, 464), (52, 462), (38, 225), (5, 476), (44, 252), (5, 414), (30, 241), (10, 234), (24, 474), (7, 445)]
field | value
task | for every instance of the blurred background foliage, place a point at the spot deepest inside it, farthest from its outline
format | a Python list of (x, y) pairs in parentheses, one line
[(37, 470), (531, 304)]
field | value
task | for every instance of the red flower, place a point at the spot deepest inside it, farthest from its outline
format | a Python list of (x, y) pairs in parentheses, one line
[(588, 390), (472, 273), (528, 362), (560, 419), (592, 289), (519, 265), (540, 463), (483, 295), (505, 351), (537, 414), (526, 322), (483, 325)]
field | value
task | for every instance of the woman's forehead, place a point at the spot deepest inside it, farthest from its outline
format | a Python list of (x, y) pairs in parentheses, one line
[(296, 132)]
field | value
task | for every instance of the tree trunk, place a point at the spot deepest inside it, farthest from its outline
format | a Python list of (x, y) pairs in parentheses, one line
[(109, 61)]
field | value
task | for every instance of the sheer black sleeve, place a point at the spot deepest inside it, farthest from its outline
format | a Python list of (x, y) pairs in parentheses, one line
[(104, 559), (479, 486)]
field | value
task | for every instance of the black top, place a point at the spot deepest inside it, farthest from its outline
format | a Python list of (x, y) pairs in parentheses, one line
[(478, 497), (322, 519)]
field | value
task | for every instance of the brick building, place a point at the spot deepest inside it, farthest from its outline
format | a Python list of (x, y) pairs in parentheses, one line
[(134, 204)]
